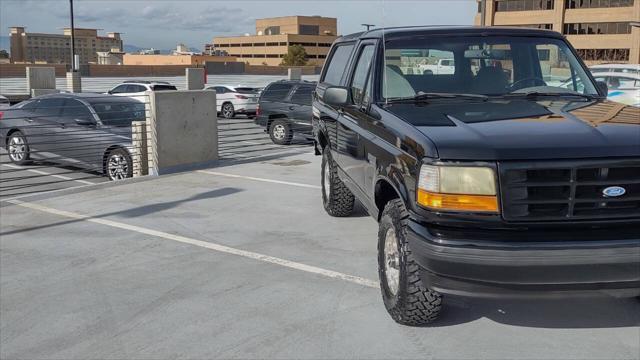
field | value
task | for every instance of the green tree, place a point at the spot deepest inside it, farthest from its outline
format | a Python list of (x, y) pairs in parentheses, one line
[(296, 56)]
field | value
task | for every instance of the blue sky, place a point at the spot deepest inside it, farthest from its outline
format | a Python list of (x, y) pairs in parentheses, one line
[(163, 23)]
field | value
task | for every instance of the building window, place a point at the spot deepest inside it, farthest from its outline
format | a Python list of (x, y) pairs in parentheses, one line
[(272, 44), (309, 30), (303, 43), (604, 54), (597, 28), (523, 5), (586, 4), (283, 44), (258, 44), (272, 30), (536, 26)]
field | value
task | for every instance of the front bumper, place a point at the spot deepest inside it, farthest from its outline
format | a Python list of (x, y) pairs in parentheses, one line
[(522, 269)]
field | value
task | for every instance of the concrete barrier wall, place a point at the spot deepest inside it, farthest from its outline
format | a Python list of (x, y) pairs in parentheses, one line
[(183, 130), (20, 70), (41, 78)]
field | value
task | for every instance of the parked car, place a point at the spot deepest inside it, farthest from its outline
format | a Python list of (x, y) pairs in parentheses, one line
[(443, 66), (136, 89), (622, 87), (483, 184), (232, 100), (91, 131), (284, 109), (4, 103), (633, 69)]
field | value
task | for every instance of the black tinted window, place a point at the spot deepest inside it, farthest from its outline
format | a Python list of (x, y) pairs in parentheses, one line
[(163, 87), (246, 90), (360, 74), (76, 110), (119, 89), (49, 107), (337, 64), (119, 113), (276, 92), (302, 95)]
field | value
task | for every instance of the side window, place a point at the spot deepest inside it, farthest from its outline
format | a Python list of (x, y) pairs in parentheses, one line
[(276, 92), (119, 89), (49, 107), (137, 88), (337, 64), (360, 74), (302, 95), (29, 105), (74, 109)]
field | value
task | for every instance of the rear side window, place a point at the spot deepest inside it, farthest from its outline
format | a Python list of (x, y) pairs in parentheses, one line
[(120, 89), (49, 107), (246, 90), (163, 87), (276, 92), (302, 95), (337, 64)]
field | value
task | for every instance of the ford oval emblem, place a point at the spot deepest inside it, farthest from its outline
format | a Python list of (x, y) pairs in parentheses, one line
[(614, 191)]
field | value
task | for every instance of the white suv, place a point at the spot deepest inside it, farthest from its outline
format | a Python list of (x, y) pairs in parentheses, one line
[(232, 100), (135, 89)]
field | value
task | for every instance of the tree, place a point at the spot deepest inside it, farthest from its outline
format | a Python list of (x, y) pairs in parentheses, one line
[(4, 54), (296, 56)]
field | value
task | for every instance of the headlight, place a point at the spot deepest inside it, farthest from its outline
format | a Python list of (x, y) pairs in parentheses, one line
[(457, 188)]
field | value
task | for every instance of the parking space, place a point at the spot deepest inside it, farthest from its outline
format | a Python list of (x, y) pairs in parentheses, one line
[(241, 261)]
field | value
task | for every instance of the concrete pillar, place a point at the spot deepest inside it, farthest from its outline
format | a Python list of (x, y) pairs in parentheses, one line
[(182, 131), (139, 154), (74, 82), (39, 92), (634, 52), (41, 78), (295, 73), (558, 15), (195, 78)]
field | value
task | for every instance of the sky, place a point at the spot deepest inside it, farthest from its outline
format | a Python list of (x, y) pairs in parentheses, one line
[(162, 24)]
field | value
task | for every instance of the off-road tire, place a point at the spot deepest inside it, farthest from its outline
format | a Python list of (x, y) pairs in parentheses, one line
[(26, 158), (337, 199), (413, 304), (280, 132)]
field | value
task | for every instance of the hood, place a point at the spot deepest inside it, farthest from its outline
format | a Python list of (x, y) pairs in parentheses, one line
[(524, 129)]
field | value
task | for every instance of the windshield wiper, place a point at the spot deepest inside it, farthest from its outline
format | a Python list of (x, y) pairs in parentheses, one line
[(433, 95), (535, 94)]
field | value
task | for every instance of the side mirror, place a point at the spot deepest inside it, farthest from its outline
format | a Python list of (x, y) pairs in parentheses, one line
[(602, 87), (336, 95), (110, 92), (84, 122)]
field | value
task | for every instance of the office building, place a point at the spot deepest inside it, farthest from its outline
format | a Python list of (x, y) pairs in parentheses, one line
[(273, 37), (56, 48), (601, 30)]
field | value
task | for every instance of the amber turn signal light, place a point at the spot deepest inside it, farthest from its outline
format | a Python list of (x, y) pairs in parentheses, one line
[(458, 202)]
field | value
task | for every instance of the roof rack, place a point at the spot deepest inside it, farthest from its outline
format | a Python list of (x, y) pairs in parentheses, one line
[(146, 82)]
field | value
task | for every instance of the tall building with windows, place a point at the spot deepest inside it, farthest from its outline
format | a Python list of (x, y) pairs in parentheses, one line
[(273, 37), (56, 48), (601, 30)]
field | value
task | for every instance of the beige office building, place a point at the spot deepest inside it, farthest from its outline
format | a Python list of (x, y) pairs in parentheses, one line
[(273, 37), (56, 48), (600, 30)]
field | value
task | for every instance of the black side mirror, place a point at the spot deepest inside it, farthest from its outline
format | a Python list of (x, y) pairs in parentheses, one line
[(336, 95), (84, 122), (602, 87)]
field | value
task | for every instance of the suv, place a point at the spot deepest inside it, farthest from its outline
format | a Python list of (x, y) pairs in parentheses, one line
[(486, 181), (136, 89), (284, 108), (232, 100)]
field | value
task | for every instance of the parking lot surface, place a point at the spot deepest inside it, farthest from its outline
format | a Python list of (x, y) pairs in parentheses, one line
[(241, 261)]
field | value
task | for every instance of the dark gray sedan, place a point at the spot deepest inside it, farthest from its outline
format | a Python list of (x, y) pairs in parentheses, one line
[(91, 131)]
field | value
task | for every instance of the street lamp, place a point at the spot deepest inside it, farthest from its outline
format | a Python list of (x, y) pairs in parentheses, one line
[(73, 39), (368, 26)]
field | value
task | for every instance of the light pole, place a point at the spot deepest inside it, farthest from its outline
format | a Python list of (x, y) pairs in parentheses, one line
[(368, 26), (73, 39)]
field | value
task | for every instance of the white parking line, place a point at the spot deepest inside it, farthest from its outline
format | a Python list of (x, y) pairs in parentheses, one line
[(259, 179), (48, 174), (204, 244)]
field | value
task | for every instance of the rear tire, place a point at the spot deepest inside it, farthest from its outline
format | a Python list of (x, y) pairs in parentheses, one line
[(118, 165), (18, 148), (405, 297), (337, 199), (228, 111), (280, 132)]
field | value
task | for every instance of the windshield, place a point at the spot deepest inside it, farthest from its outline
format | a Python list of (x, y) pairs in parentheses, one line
[(492, 66), (119, 113)]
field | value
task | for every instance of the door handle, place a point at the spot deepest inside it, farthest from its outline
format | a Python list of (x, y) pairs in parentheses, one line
[(292, 107)]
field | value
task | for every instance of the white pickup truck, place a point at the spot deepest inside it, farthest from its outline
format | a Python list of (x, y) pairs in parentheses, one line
[(444, 66)]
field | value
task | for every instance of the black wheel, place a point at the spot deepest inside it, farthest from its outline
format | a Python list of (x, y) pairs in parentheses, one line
[(18, 148), (337, 199), (118, 165), (406, 298), (280, 132), (427, 72), (228, 111)]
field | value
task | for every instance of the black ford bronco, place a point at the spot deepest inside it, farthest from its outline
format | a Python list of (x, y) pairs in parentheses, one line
[(508, 173)]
